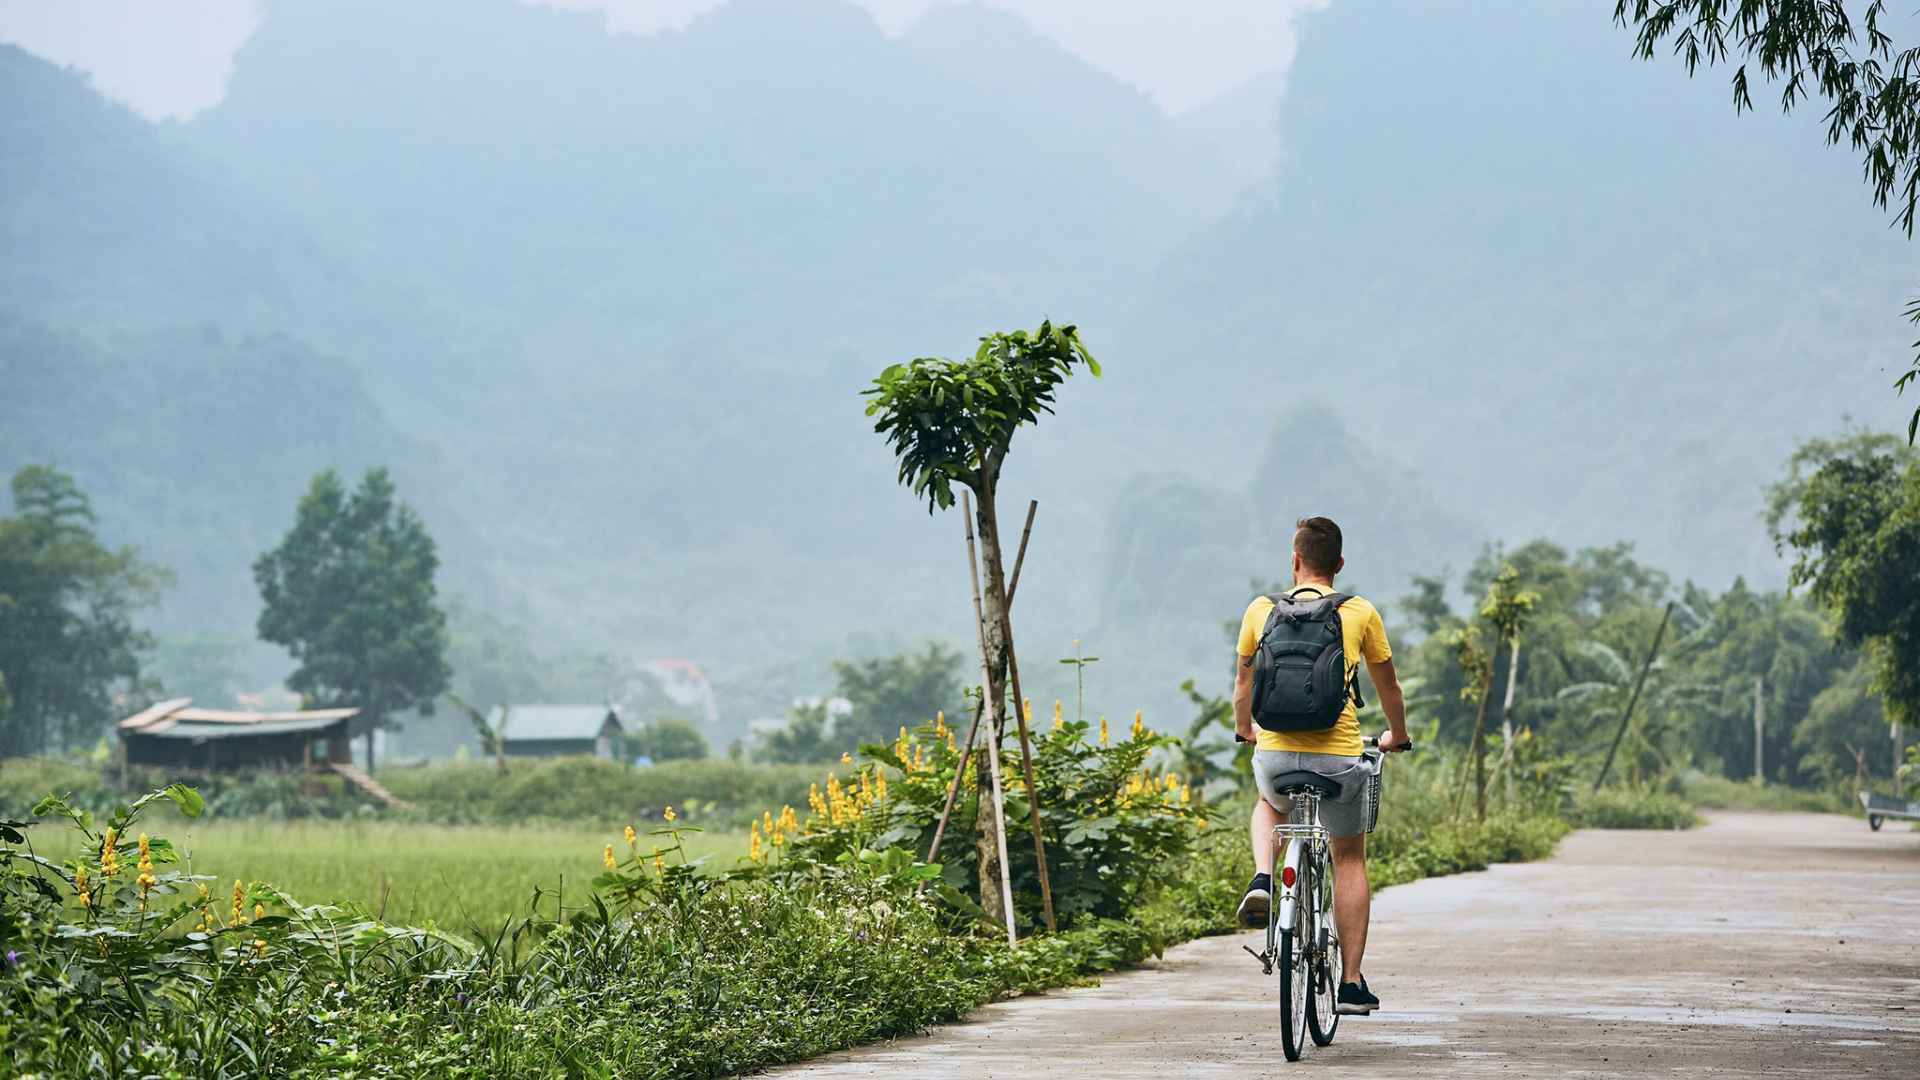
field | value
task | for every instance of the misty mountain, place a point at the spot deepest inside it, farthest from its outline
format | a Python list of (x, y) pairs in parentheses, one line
[(194, 447), (606, 303), (1583, 294)]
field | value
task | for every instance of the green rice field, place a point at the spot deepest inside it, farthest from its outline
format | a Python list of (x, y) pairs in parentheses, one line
[(462, 878)]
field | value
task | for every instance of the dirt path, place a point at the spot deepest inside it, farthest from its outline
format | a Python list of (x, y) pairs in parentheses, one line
[(1780, 945)]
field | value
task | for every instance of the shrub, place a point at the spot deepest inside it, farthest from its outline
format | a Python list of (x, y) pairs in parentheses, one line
[(1632, 808), (1113, 824), (1720, 793), (264, 793), (585, 788), (672, 739)]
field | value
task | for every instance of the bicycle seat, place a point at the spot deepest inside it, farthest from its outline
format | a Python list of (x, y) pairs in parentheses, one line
[(1299, 780)]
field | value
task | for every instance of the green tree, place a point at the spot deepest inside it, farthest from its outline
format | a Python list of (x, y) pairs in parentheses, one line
[(893, 692), (672, 739), (1849, 510), (953, 421), (349, 592), (1844, 729), (803, 740), (1813, 49), (69, 651), (1782, 642)]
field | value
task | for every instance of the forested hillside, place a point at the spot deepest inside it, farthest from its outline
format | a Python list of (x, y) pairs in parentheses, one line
[(612, 299)]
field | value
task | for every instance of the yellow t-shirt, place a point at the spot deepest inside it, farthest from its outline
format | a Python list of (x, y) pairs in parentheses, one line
[(1362, 634)]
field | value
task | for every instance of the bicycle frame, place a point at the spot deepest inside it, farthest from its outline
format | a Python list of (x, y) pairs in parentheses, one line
[(1288, 854)]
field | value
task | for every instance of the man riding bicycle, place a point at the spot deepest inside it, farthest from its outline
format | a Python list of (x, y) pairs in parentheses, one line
[(1308, 722)]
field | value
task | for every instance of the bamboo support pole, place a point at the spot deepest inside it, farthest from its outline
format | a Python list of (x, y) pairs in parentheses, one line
[(966, 749), (953, 789), (1026, 745), (1634, 699), (1020, 560), (994, 726)]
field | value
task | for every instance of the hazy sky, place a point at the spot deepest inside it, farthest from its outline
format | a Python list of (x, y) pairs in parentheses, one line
[(172, 57)]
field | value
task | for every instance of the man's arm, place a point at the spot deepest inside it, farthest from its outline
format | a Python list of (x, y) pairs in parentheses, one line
[(1243, 696), (1386, 688)]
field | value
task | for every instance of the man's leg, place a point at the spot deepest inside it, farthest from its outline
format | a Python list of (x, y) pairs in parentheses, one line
[(1352, 901), (1260, 833), (1258, 901)]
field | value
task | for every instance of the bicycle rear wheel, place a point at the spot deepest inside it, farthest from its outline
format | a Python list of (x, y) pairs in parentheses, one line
[(1296, 976), (1322, 1019)]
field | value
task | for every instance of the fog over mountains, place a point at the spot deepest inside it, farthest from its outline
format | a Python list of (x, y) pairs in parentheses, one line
[(605, 304)]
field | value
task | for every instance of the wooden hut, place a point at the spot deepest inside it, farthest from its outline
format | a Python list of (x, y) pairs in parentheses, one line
[(174, 735), (553, 730)]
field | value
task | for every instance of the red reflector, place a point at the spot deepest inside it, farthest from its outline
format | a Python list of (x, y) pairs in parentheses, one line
[(1286, 877)]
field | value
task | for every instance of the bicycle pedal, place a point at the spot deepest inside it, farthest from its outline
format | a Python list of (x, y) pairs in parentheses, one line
[(1266, 959)]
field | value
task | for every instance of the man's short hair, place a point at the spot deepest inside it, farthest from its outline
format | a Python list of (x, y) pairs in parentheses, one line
[(1317, 541)]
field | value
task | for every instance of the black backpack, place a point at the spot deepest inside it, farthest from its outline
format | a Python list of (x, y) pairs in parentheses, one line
[(1300, 680)]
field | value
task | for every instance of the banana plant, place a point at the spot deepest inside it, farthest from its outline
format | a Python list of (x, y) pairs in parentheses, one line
[(493, 737)]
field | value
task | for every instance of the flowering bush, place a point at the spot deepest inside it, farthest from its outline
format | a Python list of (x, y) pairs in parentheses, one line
[(1113, 822)]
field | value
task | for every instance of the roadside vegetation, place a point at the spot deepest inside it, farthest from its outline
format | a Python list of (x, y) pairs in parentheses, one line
[(820, 928)]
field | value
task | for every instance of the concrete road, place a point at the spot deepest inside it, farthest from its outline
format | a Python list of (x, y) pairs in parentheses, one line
[(1776, 945)]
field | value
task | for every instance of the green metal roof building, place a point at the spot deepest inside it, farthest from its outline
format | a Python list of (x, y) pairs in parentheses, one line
[(554, 730)]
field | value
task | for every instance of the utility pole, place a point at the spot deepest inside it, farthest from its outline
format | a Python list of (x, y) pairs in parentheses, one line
[(1759, 729), (1899, 756), (1079, 680)]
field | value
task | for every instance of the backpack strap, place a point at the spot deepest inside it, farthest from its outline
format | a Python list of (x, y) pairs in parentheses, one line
[(1353, 680)]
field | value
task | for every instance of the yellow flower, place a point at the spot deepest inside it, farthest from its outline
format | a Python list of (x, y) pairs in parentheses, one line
[(1058, 721), (846, 758), (753, 843), (790, 819), (607, 857), (1186, 795), (1103, 731), (880, 788), (633, 838), (146, 880), (1026, 711), (80, 886), (259, 912), (669, 815), (940, 723), (109, 857), (1139, 728), (659, 865), (260, 948), (239, 897)]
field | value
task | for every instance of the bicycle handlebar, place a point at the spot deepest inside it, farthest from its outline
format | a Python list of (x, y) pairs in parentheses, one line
[(1370, 742)]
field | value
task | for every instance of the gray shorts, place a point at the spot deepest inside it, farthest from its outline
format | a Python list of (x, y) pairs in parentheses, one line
[(1343, 816)]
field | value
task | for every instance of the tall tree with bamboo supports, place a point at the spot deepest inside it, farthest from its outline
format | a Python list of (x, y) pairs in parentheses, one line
[(953, 421)]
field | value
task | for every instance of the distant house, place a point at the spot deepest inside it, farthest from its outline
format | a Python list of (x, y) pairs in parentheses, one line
[(175, 735), (552, 730)]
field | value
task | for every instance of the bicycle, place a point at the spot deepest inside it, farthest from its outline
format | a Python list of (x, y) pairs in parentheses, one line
[(1302, 942)]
